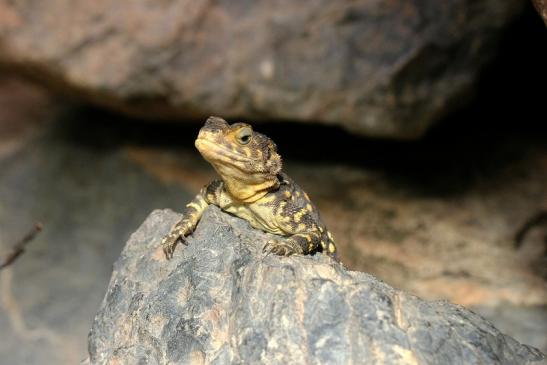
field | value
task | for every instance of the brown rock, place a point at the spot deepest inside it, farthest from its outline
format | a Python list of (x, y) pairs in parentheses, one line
[(541, 7), (380, 68)]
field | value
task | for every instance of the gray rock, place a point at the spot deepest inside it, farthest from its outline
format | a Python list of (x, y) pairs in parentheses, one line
[(220, 301), (377, 67)]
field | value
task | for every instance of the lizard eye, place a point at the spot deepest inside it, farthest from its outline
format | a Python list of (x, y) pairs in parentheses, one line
[(244, 135)]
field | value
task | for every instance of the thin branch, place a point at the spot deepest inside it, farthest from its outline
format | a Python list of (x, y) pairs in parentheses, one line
[(19, 247)]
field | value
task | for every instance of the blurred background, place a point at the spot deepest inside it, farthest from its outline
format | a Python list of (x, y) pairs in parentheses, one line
[(417, 127)]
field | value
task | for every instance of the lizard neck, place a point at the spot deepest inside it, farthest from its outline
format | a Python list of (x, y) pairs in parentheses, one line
[(249, 193)]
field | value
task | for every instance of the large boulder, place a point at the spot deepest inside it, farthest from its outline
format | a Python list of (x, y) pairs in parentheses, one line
[(377, 67), (221, 301)]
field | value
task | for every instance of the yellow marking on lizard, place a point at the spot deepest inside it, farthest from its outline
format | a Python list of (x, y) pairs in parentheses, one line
[(298, 215), (193, 205), (268, 199)]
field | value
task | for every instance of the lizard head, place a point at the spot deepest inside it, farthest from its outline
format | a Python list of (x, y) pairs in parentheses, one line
[(241, 156)]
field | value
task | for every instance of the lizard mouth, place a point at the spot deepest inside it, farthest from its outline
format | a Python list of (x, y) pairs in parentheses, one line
[(214, 152)]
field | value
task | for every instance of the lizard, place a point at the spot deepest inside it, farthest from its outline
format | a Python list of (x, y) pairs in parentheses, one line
[(253, 187)]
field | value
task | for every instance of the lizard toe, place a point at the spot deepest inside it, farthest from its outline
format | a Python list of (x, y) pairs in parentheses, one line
[(282, 248)]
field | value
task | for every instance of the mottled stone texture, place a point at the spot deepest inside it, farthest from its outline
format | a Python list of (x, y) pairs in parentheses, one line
[(220, 301), (386, 68)]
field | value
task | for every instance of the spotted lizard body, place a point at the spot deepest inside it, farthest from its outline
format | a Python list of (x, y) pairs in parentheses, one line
[(252, 187)]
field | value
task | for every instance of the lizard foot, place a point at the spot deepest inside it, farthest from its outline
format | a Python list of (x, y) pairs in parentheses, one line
[(282, 247), (169, 243), (177, 233)]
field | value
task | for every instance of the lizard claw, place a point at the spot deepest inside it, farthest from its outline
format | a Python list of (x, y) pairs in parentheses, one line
[(169, 244), (168, 247), (281, 248), (267, 247)]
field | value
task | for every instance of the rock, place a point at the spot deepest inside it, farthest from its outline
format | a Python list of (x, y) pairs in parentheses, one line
[(541, 7), (219, 300), (378, 68), (54, 161)]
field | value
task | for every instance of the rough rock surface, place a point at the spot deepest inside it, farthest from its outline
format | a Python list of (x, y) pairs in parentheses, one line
[(221, 301), (377, 67)]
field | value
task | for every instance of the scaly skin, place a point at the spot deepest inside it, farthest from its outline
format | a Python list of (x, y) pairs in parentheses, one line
[(253, 188)]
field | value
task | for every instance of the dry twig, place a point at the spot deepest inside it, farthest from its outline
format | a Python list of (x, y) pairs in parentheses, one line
[(19, 247)]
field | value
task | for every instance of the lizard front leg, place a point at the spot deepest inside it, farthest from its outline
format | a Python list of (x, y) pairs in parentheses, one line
[(191, 216)]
